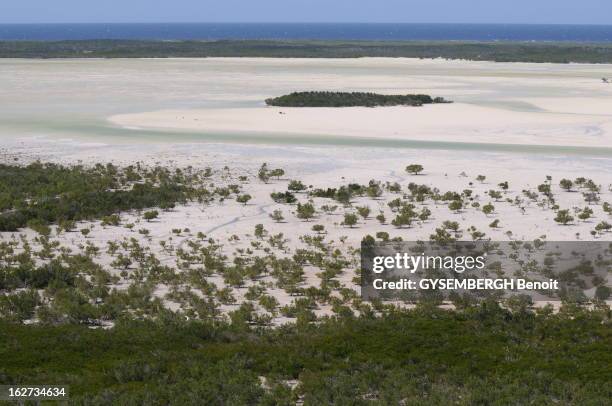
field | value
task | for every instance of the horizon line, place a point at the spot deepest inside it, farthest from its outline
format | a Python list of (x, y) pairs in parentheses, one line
[(302, 22)]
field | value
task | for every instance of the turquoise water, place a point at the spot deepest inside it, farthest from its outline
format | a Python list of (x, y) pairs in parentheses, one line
[(102, 132), (260, 138)]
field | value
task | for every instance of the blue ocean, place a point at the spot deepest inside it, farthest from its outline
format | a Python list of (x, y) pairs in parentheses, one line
[(328, 31)]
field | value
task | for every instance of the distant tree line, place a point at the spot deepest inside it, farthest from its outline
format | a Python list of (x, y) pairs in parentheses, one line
[(506, 51)]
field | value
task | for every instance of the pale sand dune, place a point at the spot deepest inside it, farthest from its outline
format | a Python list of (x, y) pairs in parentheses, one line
[(458, 122)]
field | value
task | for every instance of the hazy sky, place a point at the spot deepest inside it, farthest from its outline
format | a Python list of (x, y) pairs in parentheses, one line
[(461, 11)]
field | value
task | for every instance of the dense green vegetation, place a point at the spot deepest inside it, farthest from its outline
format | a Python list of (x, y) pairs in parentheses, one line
[(212, 335), (481, 51), (39, 194), (482, 355), (350, 99)]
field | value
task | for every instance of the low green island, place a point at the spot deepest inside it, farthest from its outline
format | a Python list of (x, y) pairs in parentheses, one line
[(351, 99)]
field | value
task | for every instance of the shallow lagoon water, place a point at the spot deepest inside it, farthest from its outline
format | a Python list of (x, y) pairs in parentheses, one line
[(72, 99)]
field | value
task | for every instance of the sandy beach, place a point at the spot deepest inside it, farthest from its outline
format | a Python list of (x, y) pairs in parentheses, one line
[(455, 122), (493, 104)]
